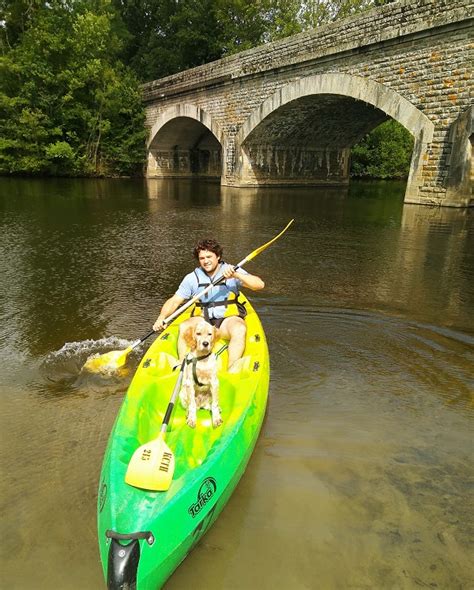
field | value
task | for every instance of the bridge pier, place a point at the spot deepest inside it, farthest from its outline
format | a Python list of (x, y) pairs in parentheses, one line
[(270, 165), (460, 177)]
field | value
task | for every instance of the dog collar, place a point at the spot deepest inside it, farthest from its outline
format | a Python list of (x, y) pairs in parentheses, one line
[(193, 359)]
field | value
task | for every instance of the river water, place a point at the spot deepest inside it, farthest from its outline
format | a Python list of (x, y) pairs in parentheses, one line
[(362, 476)]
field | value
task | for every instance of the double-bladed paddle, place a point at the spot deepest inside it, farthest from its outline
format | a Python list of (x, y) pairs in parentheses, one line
[(111, 361)]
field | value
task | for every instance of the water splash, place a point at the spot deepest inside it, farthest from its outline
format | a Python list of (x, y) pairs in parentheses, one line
[(68, 361)]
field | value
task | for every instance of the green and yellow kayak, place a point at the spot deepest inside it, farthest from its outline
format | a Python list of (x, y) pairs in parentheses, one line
[(144, 535)]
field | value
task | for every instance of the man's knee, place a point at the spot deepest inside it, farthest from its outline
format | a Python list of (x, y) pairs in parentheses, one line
[(238, 330)]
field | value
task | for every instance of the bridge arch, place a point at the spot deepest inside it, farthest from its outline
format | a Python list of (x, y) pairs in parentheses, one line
[(262, 126), (185, 142), (356, 87)]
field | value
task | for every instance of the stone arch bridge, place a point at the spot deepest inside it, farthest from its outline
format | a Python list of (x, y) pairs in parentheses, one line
[(288, 113)]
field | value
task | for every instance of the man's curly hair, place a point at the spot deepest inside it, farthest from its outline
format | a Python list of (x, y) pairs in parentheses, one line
[(208, 244)]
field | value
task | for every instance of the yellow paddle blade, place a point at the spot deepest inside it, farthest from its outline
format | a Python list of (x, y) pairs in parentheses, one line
[(151, 466), (110, 361), (262, 248)]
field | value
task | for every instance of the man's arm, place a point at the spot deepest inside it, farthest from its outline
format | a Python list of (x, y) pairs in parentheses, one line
[(169, 306), (252, 282)]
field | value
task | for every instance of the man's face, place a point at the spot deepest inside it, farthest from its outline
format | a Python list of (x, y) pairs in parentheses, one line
[(208, 261)]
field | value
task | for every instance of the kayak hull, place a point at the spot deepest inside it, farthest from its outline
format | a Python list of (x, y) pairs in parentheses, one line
[(144, 535)]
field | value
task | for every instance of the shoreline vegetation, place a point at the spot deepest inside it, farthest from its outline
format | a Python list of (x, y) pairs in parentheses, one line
[(71, 71)]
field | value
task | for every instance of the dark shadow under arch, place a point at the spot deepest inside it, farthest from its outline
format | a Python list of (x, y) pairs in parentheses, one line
[(186, 143)]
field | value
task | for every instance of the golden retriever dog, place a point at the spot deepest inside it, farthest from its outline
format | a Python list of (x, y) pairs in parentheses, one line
[(200, 387)]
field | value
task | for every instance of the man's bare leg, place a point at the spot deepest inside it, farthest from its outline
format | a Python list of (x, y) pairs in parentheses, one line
[(234, 330)]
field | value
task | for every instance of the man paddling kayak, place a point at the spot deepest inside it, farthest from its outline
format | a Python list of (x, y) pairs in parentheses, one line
[(220, 306)]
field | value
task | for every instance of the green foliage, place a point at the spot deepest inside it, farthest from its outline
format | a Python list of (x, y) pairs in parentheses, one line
[(247, 24), (167, 36), (15, 19), (383, 153), (68, 105), (315, 13)]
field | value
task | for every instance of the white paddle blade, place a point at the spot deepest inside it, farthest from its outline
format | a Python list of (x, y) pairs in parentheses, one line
[(151, 467)]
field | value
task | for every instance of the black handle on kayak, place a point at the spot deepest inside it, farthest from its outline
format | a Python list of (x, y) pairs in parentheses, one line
[(148, 535)]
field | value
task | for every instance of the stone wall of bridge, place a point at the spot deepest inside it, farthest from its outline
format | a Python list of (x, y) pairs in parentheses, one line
[(289, 112)]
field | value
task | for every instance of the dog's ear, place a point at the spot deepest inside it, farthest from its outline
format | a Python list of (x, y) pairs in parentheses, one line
[(217, 334), (188, 337)]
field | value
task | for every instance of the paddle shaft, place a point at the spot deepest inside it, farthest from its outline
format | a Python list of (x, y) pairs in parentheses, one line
[(196, 298), (138, 342), (169, 409), (180, 310)]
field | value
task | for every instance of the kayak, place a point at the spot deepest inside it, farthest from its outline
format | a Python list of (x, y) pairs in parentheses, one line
[(144, 535)]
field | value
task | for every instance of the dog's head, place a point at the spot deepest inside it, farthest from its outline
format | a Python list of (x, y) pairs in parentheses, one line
[(201, 337)]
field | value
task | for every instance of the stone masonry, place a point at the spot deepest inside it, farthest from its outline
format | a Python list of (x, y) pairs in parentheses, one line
[(288, 112)]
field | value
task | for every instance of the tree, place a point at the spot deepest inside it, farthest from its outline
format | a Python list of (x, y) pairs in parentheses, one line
[(315, 13), (68, 106), (15, 19), (247, 24), (383, 153), (167, 36)]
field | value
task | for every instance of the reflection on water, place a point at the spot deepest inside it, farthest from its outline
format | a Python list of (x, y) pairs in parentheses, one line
[(361, 476)]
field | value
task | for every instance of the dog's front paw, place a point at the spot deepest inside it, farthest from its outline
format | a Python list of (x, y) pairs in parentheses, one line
[(191, 421), (216, 418)]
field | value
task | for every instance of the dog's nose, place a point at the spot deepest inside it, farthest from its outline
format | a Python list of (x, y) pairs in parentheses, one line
[(205, 343)]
